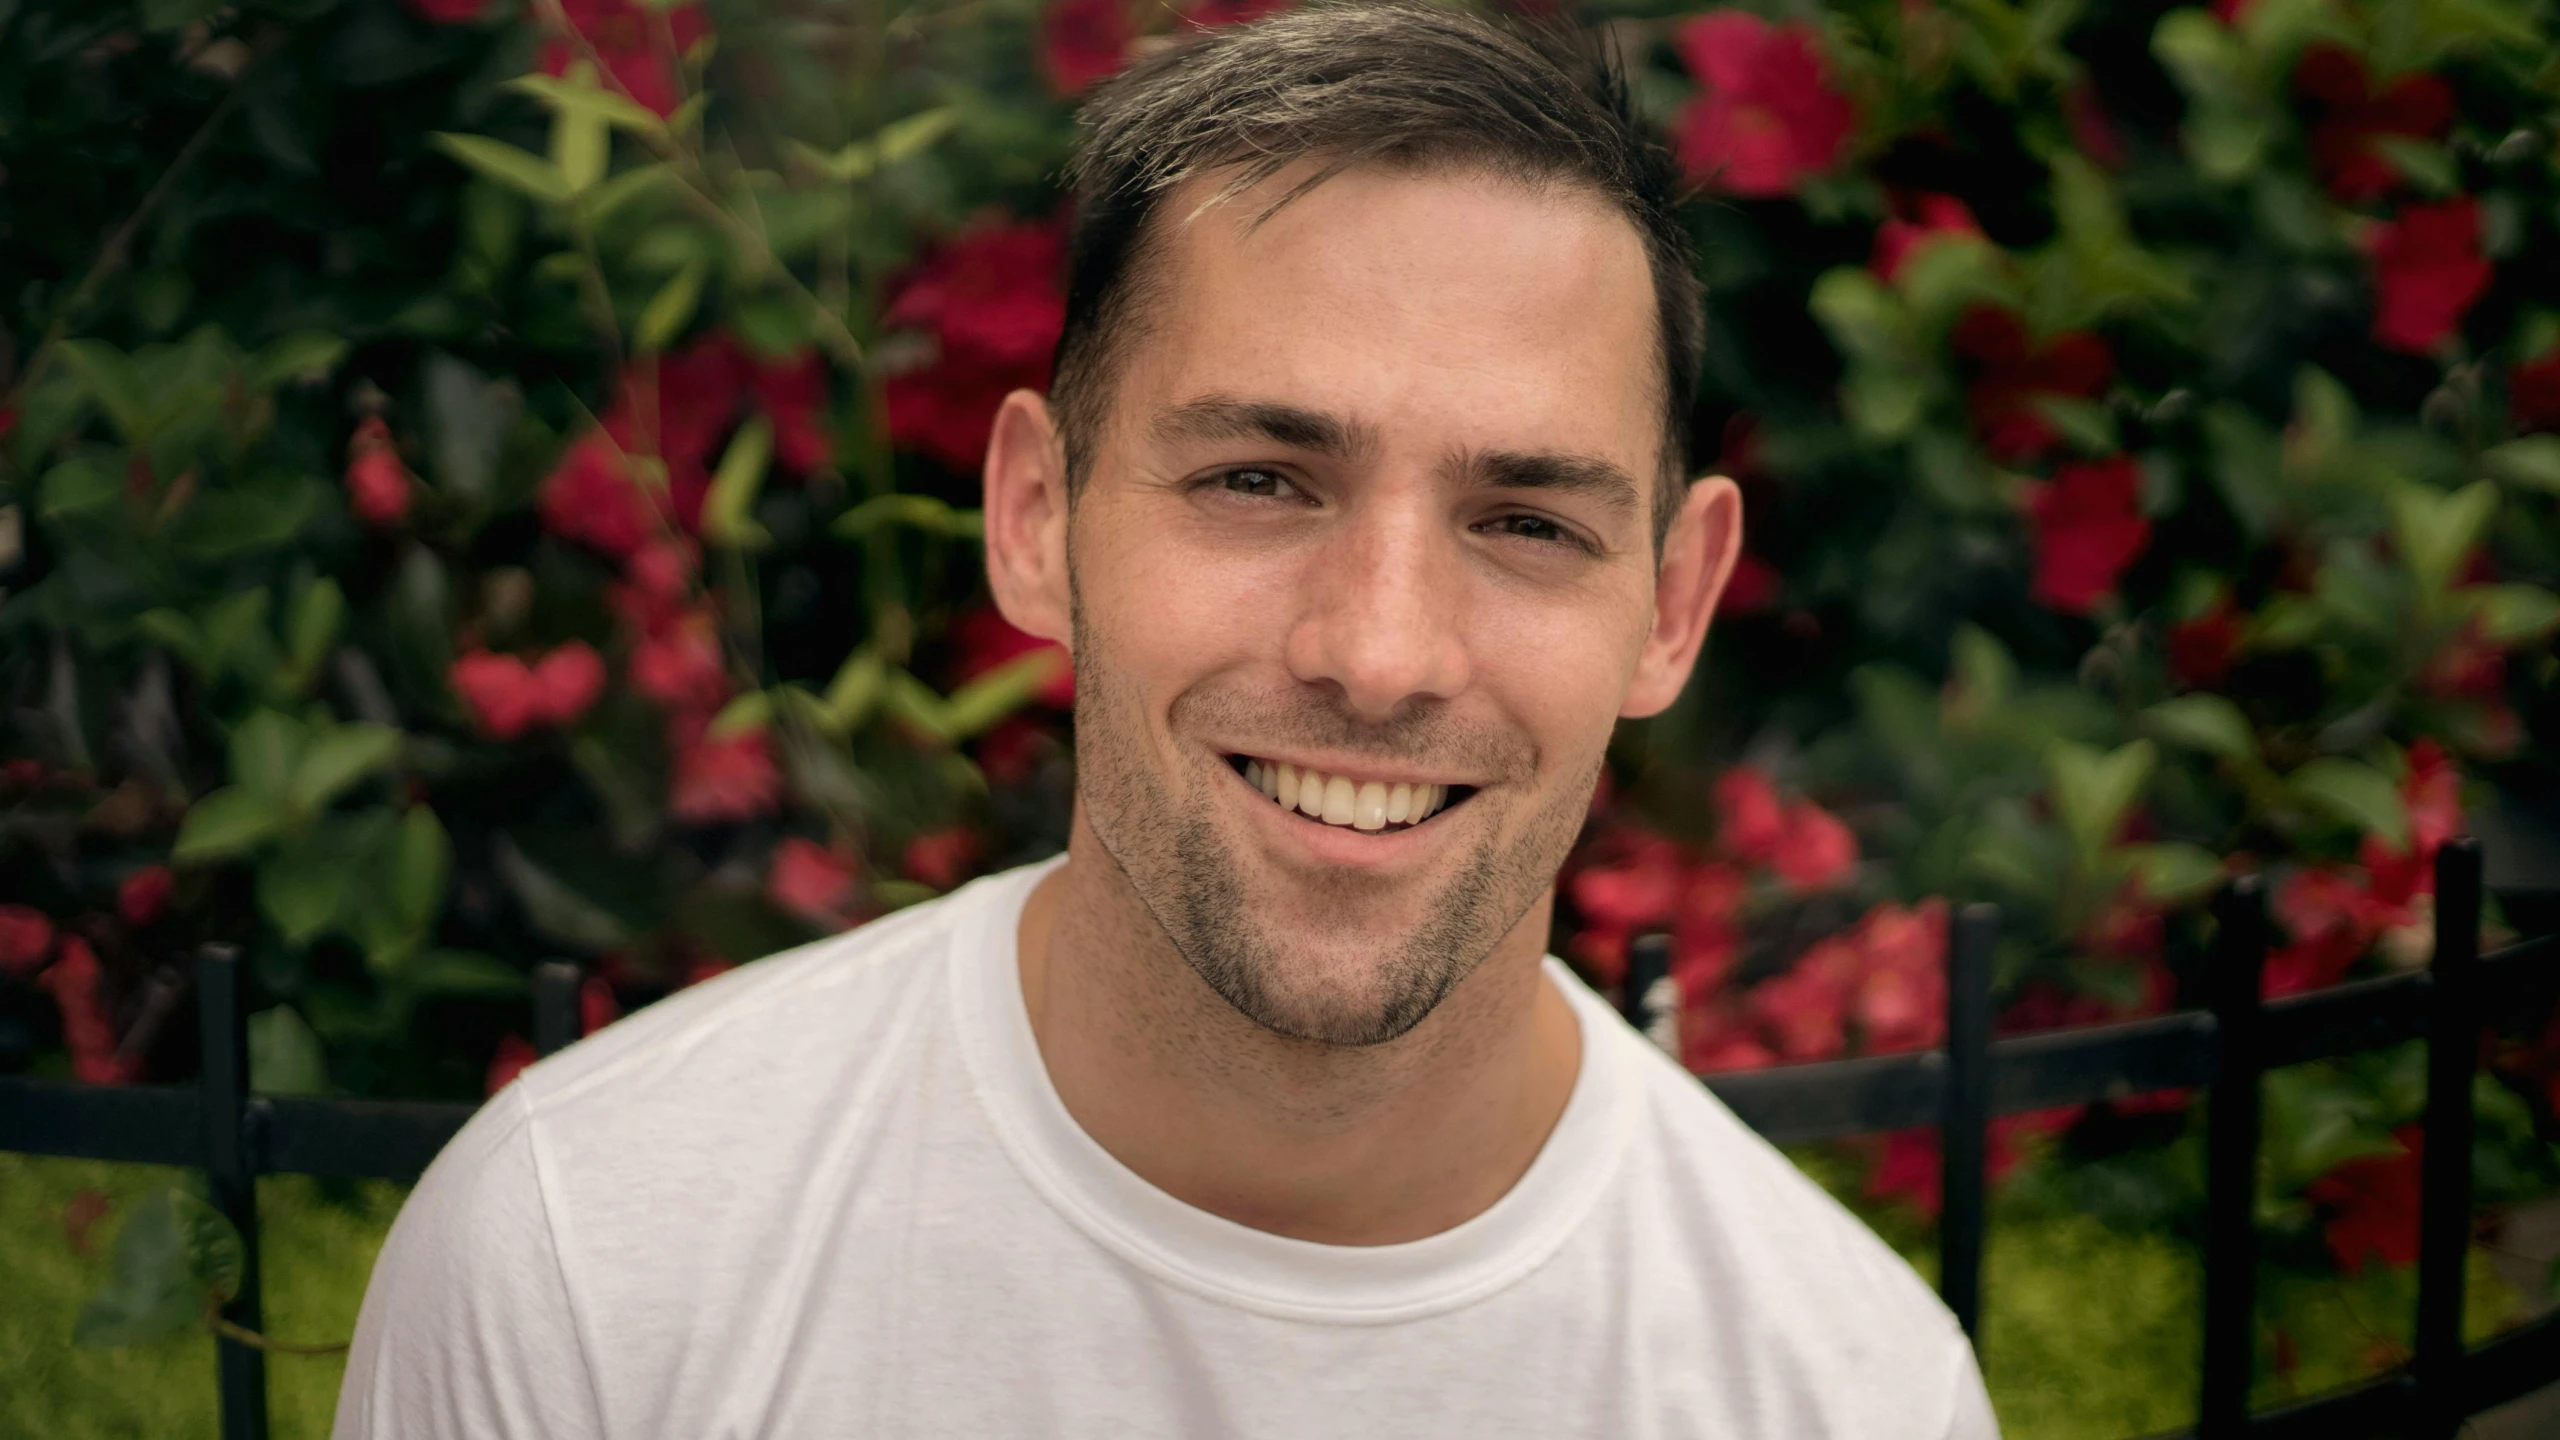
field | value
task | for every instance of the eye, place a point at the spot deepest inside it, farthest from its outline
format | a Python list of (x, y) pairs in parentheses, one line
[(1256, 481), (1534, 527)]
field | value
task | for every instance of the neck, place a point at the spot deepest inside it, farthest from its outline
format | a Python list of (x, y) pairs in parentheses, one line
[(1367, 1145)]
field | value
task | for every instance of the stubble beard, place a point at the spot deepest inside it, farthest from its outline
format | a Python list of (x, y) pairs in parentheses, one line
[(1190, 878)]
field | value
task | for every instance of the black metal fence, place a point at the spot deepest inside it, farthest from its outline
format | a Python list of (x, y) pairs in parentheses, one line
[(235, 1136)]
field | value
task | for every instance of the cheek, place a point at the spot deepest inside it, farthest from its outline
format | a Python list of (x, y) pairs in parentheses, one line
[(1560, 676), (1165, 613)]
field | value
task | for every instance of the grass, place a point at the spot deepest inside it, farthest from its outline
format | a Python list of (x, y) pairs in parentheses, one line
[(2088, 1334)]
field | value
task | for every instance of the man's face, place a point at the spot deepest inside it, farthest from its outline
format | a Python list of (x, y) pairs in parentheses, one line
[(1366, 525)]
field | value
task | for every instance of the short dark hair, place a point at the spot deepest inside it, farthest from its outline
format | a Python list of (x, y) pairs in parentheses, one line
[(1347, 84)]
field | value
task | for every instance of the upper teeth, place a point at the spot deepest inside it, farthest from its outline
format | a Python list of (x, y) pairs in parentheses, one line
[(1341, 800)]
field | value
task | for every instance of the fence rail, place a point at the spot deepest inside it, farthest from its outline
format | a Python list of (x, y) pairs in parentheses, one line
[(234, 1136)]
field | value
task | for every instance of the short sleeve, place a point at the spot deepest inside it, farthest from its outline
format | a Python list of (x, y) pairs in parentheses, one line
[(467, 1328), (1972, 1418)]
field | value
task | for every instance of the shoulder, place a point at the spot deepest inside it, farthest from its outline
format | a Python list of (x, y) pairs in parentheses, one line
[(1831, 1314)]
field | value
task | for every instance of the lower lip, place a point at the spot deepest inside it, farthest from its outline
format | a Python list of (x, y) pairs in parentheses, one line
[(1340, 844)]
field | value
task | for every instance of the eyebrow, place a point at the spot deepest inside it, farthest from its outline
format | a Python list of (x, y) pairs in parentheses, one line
[(1225, 417), (1561, 472)]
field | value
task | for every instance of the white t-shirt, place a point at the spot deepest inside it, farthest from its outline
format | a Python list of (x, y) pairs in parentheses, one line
[(834, 1194)]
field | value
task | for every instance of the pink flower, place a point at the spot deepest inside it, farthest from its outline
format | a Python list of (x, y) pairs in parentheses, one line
[(725, 778), (1750, 822), (378, 485), (793, 395), (507, 697), (2088, 528), (87, 1033), (811, 881), (941, 858), (590, 496), (680, 665), (1804, 1013), (2427, 271), (143, 895), (1766, 117), (1902, 994), (26, 939), (1816, 851)]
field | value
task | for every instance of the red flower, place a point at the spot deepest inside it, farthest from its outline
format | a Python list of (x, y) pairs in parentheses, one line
[(730, 777), (2332, 920), (591, 496), (2201, 649), (638, 46), (793, 394), (26, 939), (86, 1031), (1082, 41), (1918, 219), (811, 881), (1766, 117), (2011, 371), (1804, 1013), (2431, 795), (1901, 998), (941, 858), (2533, 393), (596, 1006), (1911, 1163), (2088, 528), (993, 300), (143, 895), (1714, 1039), (507, 697), (2371, 1206), (1750, 821), (2352, 117), (2427, 270), (378, 485), (1632, 880), (514, 1053), (986, 640), (1816, 851), (680, 666)]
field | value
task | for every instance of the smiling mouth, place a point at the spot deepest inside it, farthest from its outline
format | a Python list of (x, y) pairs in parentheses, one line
[(1348, 802)]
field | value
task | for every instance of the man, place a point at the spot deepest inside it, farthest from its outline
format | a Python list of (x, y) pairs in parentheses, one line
[(1360, 507)]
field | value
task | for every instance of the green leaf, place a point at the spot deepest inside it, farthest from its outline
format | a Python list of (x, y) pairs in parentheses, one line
[(921, 512), (734, 488), (853, 691), (2204, 722), (304, 887), (521, 171), (151, 1292), (215, 1259), (2356, 793), (912, 701), (2087, 424), (599, 205), (2092, 791), (2173, 874), (1982, 668), (284, 1056), (463, 974), (2436, 530), (2511, 614), (554, 908), (578, 93), (750, 711), (314, 623), (109, 378), (181, 636), (581, 135), (302, 355), (2423, 163), (81, 485), (421, 862), (224, 823), (671, 309), (989, 698), (235, 625), (2247, 465), (2533, 462), (906, 138), (339, 758)]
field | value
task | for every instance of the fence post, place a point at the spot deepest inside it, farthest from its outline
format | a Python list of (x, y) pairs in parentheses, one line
[(223, 1093), (2444, 1195), (2231, 1162), (555, 1006), (1964, 1117)]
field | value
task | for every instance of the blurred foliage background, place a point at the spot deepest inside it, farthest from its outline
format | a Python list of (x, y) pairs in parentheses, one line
[(489, 480)]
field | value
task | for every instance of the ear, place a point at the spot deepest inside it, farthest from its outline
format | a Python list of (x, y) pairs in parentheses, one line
[(1026, 517), (1697, 558)]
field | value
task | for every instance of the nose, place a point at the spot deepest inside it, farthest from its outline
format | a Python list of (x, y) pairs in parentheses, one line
[(1381, 613)]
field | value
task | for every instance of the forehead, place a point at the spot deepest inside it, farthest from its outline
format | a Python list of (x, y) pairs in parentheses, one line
[(1451, 308)]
